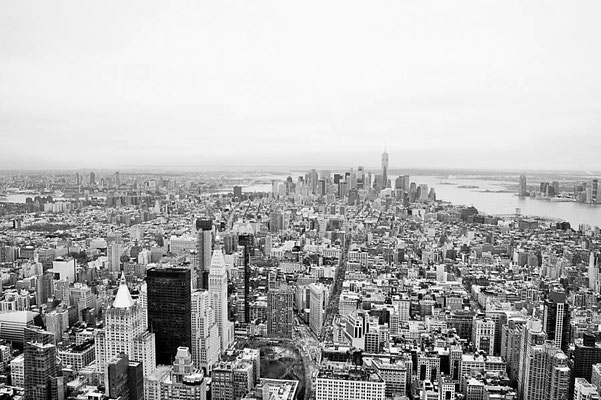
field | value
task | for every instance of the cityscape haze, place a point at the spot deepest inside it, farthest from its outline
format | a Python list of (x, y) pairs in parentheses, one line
[(323, 200), (147, 84)]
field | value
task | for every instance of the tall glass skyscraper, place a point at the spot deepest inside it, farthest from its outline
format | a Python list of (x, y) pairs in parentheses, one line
[(169, 310), (384, 170), (204, 247)]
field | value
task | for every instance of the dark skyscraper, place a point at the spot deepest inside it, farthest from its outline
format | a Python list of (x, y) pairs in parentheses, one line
[(523, 189), (204, 248), (40, 365), (556, 320), (169, 310), (586, 353), (246, 240), (125, 378), (238, 192)]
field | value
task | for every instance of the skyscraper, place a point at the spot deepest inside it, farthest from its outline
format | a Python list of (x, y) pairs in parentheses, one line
[(169, 310), (40, 367), (523, 189), (556, 320), (114, 256), (125, 379), (544, 371), (586, 353), (125, 333), (185, 382), (318, 301), (279, 312), (593, 271), (206, 343), (123, 323), (384, 169), (204, 247), (532, 335), (218, 293), (360, 177), (246, 240)]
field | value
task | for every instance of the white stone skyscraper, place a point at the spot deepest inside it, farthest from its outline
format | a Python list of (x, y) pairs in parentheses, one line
[(593, 271), (123, 323), (143, 300), (544, 371), (205, 332), (124, 332), (218, 294)]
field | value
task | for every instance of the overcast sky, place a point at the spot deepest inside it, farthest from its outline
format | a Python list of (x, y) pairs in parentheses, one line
[(118, 84)]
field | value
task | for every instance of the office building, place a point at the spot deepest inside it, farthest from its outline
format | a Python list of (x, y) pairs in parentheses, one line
[(113, 252), (354, 383), (238, 192), (523, 187), (125, 333), (384, 170), (483, 334), (17, 371), (556, 320), (596, 376), (40, 365), (125, 379), (204, 250), (64, 269), (318, 302), (587, 352), (280, 312), (206, 342), (169, 310), (247, 242), (544, 371), (145, 351), (79, 356), (532, 335), (218, 295), (593, 271), (185, 381), (583, 390), (236, 378), (396, 376)]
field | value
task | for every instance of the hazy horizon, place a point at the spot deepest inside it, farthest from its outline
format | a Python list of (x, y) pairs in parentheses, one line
[(456, 85), (299, 168)]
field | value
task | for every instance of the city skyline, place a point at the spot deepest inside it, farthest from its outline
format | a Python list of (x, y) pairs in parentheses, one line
[(442, 85), (317, 200)]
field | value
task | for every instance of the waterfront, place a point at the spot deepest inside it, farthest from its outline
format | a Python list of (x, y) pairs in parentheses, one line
[(489, 197)]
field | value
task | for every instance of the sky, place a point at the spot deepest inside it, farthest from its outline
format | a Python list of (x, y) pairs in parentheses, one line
[(508, 84)]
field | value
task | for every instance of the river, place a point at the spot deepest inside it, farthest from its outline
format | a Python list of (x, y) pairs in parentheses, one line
[(495, 202), (489, 198)]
